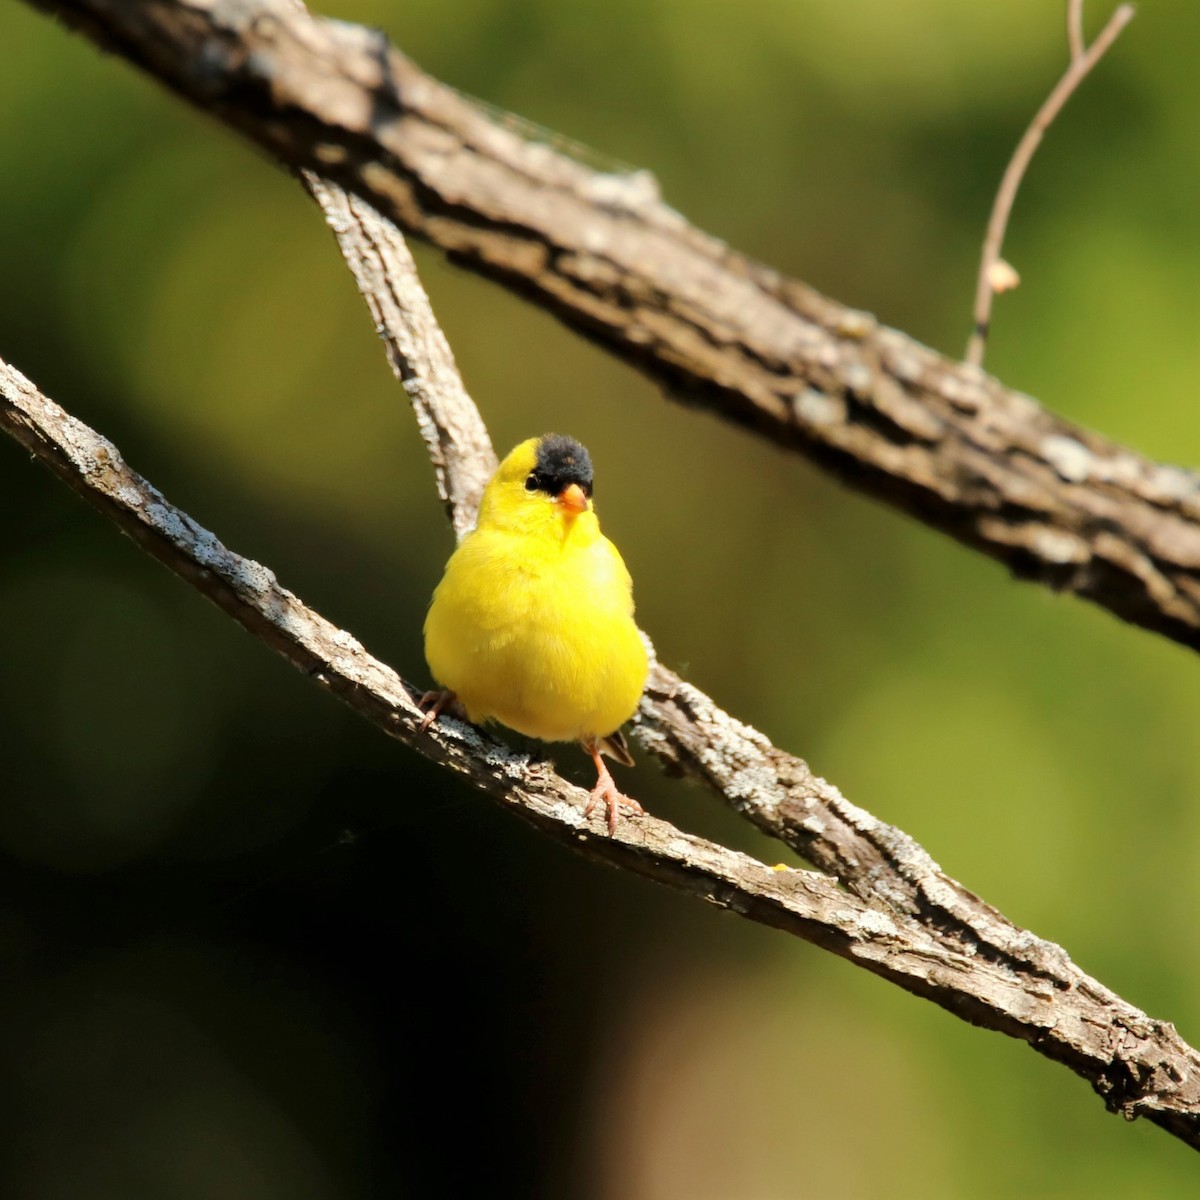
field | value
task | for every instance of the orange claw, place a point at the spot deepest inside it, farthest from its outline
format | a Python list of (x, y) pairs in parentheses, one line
[(439, 700), (607, 792)]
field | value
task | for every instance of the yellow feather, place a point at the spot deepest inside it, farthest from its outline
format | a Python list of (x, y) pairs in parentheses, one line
[(532, 623)]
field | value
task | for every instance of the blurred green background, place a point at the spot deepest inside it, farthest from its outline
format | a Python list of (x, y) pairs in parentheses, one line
[(239, 928)]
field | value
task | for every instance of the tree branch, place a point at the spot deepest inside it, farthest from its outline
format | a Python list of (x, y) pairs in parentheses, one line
[(1139, 1065), (903, 887), (900, 917), (455, 436), (936, 438), (677, 723)]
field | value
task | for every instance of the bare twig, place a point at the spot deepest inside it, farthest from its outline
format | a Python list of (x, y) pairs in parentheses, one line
[(456, 438), (1139, 1065), (1082, 61), (929, 435), (1075, 40)]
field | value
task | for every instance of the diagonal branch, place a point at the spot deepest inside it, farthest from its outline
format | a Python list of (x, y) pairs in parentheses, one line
[(453, 431), (899, 916), (879, 864), (1138, 1064), (936, 438), (678, 724)]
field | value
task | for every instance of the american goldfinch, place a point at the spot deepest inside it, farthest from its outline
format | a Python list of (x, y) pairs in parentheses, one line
[(532, 623)]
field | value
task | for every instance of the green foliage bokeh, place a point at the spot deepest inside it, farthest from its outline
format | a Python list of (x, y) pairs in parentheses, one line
[(236, 922)]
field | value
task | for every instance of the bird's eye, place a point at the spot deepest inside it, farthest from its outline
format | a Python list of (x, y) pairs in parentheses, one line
[(531, 484)]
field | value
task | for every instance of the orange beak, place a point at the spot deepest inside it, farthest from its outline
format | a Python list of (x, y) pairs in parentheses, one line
[(572, 499)]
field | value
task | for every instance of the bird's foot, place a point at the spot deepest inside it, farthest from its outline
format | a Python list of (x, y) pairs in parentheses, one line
[(607, 793), (614, 800), (437, 702)]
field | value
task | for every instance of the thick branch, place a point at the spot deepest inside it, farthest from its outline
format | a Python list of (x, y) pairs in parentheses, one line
[(937, 438), (684, 728), (934, 938), (1140, 1065)]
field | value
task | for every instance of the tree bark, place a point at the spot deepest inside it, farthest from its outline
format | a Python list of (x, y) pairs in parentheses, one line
[(980, 462), (988, 972), (934, 437)]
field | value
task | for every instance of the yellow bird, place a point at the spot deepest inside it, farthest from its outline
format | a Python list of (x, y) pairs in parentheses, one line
[(532, 623)]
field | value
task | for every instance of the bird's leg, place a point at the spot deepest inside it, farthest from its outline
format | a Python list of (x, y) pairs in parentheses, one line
[(436, 702), (606, 791)]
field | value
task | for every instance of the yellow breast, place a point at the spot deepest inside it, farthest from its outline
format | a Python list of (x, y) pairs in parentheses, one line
[(538, 632)]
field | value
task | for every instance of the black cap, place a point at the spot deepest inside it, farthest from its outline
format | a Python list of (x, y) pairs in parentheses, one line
[(561, 461)]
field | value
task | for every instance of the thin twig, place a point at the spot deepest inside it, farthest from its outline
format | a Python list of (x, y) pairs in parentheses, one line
[(993, 241), (1075, 28)]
